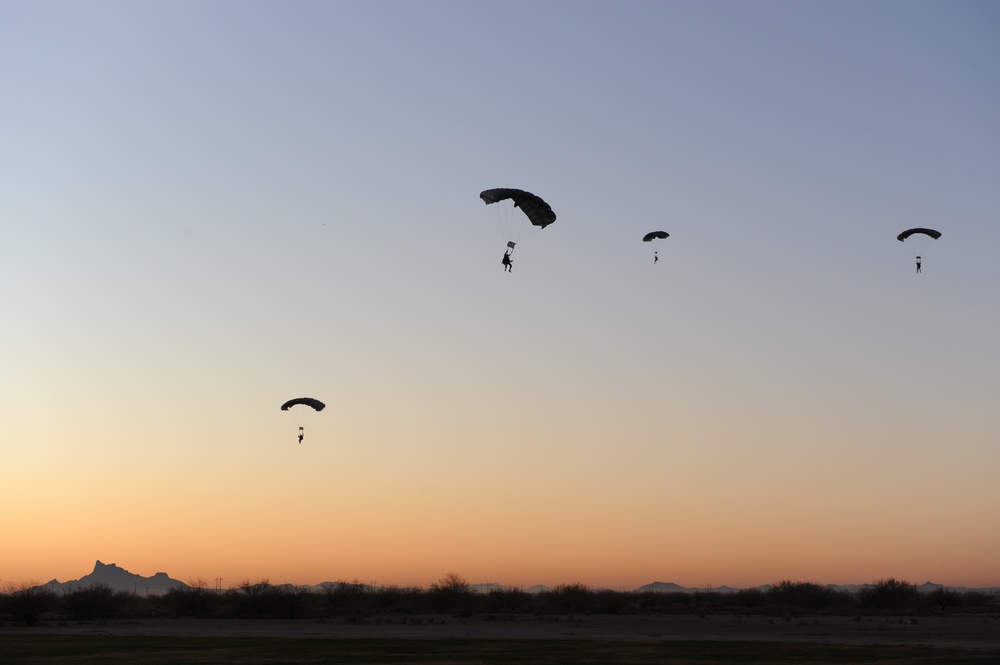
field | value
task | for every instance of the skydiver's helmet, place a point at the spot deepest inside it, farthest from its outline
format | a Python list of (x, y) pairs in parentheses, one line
[(510, 243)]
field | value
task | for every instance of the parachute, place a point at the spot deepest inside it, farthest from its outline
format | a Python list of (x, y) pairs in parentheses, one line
[(920, 240), (537, 210), (927, 232), (314, 404), (307, 401), (512, 225), (655, 235)]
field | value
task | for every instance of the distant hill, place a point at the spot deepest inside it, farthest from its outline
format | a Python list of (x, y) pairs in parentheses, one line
[(661, 587), (930, 587), (927, 587), (119, 579), (670, 587)]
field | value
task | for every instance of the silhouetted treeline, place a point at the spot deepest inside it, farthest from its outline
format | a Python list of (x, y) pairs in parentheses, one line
[(453, 596)]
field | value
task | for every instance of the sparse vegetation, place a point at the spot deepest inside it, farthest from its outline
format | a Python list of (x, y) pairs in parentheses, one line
[(26, 602), (94, 602), (452, 595), (891, 594)]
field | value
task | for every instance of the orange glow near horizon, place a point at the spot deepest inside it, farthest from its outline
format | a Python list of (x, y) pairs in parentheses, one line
[(577, 539), (594, 518)]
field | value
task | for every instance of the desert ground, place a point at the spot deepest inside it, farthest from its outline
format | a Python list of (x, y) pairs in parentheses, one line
[(980, 632)]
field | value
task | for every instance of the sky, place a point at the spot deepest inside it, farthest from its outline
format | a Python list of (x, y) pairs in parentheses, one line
[(209, 208)]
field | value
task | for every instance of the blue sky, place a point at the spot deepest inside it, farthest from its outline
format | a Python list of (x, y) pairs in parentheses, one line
[(209, 208)]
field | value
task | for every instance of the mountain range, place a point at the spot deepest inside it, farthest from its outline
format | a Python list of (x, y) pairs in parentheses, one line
[(119, 579)]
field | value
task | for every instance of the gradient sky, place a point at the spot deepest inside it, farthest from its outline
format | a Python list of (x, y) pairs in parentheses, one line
[(208, 208)]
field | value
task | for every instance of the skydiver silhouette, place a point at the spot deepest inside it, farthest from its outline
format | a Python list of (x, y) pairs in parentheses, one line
[(918, 264), (507, 263), (655, 257), (301, 434)]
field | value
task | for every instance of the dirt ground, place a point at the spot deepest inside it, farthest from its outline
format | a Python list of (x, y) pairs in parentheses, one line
[(969, 632)]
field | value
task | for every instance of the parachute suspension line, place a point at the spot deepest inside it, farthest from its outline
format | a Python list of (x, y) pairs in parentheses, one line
[(526, 231), (511, 223), (302, 418), (502, 221), (506, 220)]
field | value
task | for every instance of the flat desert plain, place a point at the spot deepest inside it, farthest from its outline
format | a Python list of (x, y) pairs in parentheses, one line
[(962, 632)]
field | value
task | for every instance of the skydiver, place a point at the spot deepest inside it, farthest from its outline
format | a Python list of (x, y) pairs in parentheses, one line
[(918, 264), (507, 263), (301, 434), (655, 257)]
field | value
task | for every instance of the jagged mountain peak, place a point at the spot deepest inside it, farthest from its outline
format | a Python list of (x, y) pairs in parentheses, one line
[(119, 579)]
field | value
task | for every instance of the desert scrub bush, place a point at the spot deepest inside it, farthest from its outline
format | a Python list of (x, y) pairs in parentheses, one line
[(792, 597), (749, 599), (94, 602), (452, 594), (508, 601), (567, 598), (347, 597), (400, 600), (258, 599), (611, 602), (27, 602), (292, 600), (195, 600), (890, 594)]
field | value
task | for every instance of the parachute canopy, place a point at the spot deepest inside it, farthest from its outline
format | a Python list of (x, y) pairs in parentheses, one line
[(307, 401), (537, 210), (927, 232), (655, 235)]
